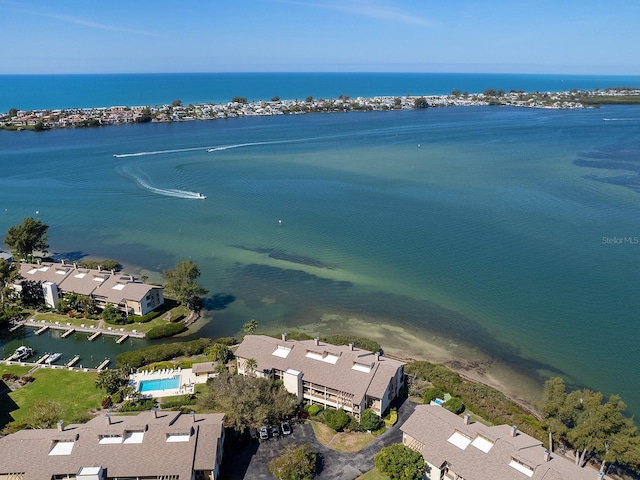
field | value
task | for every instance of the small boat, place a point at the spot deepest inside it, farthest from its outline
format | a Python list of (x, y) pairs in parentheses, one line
[(209, 150), (53, 357), (23, 352), (202, 196)]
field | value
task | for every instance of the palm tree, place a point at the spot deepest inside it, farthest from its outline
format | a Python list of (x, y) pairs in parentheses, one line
[(250, 326), (250, 365)]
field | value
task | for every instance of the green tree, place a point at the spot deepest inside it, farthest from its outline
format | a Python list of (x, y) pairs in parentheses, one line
[(111, 381), (399, 462), (420, 102), (295, 463), (250, 365), (369, 420), (111, 314), (176, 103), (220, 353), (246, 401), (595, 429), (12, 112), (23, 239), (242, 100), (31, 293), (8, 273), (181, 282), (44, 414), (275, 99), (309, 99)]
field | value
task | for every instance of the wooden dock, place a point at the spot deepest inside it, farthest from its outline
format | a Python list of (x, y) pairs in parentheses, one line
[(122, 338), (42, 330), (72, 361), (94, 336), (68, 332), (41, 360), (104, 364), (16, 327)]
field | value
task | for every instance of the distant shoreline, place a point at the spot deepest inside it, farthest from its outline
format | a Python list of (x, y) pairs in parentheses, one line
[(38, 120)]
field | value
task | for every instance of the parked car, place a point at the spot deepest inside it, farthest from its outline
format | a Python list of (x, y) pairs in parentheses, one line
[(286, 428), (264, 433), (275, 431), (254, 433)]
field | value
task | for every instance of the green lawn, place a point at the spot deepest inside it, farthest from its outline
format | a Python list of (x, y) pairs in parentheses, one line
[(373, 474), (74, 390)]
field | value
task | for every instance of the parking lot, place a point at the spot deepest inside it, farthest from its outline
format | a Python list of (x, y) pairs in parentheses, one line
[(249, 459)]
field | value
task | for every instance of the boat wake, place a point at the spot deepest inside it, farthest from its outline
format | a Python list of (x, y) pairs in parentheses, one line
[(167, 192), (156, 152)]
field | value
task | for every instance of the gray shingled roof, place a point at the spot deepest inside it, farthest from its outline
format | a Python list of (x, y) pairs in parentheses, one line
[(84, 281), (433, 425), (340, 375), (28, 450)]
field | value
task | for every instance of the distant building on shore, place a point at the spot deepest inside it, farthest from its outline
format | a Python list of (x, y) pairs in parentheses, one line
[(103, 286)]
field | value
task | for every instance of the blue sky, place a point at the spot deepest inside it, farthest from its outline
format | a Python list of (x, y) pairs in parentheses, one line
[(516, 36)]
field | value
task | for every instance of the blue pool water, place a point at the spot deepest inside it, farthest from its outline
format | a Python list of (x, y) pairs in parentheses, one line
[(159, 384)]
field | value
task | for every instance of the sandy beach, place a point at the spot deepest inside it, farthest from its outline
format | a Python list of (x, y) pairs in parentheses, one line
[(407, 345)]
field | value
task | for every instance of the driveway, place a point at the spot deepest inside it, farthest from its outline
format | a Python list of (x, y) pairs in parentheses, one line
[(246, 459)]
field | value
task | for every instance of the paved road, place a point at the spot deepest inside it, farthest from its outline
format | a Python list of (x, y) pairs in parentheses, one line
[(248, 460)]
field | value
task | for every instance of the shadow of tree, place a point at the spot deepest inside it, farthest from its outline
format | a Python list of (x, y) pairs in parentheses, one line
[(219, 301)]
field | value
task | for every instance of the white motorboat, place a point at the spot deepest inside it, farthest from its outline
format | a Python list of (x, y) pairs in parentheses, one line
[(53, 357)]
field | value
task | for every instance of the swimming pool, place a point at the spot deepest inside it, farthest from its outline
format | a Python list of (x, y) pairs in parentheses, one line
[(159, 384)]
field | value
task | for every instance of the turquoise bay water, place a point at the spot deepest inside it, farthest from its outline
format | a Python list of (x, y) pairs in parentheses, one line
[(29, 92), (487, 226)]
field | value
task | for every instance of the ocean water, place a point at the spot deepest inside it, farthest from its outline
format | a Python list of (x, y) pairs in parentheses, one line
[(28, 92), (510, 231)]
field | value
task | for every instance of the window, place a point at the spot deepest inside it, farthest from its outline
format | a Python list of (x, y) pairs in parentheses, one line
[(133, 436), (109, 439), (459, 440), (281, 351), (61, 447), (521, 467), (177, 437), (361, 367), (483, 444)]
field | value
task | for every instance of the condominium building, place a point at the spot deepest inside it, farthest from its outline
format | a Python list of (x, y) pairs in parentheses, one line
[(457, 449), (334, 376), (151, 445), (103, 286)]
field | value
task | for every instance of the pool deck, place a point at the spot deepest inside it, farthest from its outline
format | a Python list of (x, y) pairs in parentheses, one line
[(186, 384)]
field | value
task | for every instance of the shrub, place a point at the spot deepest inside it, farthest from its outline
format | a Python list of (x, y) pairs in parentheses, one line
[(179, 401), (359, 342), (313, 410), (336, 419), (391, 418), (139, 406), (168, 330), (369, 420), (455, 405), (431, 394), (106, 403), (159, 353)]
